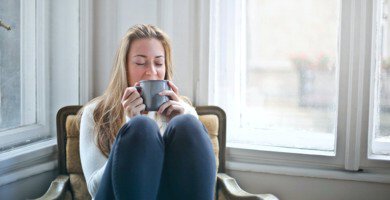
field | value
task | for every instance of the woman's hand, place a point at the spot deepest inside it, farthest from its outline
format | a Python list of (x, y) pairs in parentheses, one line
[(132, 102), (173, 107)]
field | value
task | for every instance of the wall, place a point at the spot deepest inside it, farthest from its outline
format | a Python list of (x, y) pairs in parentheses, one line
[(305, 188), (112, 19), (29, 188)]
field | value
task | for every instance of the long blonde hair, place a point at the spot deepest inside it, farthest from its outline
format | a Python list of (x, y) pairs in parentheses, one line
[(109, 114)]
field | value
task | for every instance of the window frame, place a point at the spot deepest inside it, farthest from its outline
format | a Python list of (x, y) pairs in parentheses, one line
[(62, 61), (377, 145), (351, 148), (34, 93)]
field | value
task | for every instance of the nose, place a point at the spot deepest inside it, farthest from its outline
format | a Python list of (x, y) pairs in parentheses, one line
[(151, 70)]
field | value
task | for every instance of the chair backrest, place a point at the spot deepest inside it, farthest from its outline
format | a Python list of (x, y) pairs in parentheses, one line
[(213, 117)]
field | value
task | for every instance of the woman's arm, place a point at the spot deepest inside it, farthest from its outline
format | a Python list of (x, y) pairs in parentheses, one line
[(93, 161)]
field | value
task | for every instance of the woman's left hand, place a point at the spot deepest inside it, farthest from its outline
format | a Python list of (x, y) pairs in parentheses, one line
[(173, 107)]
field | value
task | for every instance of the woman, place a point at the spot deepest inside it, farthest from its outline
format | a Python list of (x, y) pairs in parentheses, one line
[(127, 153)]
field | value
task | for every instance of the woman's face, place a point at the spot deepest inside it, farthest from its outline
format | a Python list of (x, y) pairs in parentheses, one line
[(145, 61)]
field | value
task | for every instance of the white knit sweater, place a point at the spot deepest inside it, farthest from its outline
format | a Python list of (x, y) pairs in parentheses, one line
[(93, 161)]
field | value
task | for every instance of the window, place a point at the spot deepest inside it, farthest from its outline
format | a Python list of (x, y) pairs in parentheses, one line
[(285, 76), (380, 130), (302, 81), (18, 79), (39, 71)]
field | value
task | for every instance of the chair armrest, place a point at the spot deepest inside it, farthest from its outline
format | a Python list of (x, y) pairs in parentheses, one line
[(57, 188), (232, 191)]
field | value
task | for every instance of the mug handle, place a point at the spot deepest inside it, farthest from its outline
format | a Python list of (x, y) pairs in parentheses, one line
[(139, 89)]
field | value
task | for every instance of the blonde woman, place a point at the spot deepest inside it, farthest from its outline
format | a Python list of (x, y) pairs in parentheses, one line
[(127, 153)]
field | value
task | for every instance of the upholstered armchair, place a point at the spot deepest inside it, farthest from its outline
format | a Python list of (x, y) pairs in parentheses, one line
[(70, 183)]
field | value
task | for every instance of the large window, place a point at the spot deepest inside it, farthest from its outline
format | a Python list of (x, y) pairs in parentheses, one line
[(10, 66), (19, 117), (381, 75), (39, 68), (289, 87), (303, 77), (39, 73)]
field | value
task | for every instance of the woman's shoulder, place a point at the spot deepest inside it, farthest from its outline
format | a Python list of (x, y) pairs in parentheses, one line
[(88, 110), (86, 117), (90, 107)]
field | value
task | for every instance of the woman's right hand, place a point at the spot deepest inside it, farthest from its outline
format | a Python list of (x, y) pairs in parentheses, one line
[(132, 102)]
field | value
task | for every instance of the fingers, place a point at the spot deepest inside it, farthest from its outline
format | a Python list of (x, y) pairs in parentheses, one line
[(128, 91), (132, 102), (174, 109), (129, 96), (138, 109), (135, 108), (173, 96), (174, 87), (134, 111), (171, 106), (175, 105)]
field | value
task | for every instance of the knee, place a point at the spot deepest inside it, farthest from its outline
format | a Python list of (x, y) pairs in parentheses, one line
[(187, 124), (184, 121), (141, 121), (140, 127)]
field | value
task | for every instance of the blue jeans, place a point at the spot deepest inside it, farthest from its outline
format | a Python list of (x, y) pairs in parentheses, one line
[(143, 165)]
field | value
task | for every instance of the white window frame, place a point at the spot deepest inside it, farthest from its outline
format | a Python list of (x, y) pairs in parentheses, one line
[(68, 63), (352, 122), (33, 81), (21, 162)]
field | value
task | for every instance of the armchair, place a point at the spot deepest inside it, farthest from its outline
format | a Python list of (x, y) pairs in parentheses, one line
[(70, 183)]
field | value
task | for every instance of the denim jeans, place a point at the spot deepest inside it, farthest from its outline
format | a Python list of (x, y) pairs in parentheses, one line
[(144, 165)]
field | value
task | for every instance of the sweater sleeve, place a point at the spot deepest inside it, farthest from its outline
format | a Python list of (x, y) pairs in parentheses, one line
[(188, 109), (93, 161)]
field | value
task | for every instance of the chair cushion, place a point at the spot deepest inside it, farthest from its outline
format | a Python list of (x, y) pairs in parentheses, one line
[(77, 181), (211, 124), (79, 187), (73, 163)]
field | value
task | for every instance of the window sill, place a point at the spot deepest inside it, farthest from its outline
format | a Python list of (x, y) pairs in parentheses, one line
[(258, 161), (281, 140), (27, 161)]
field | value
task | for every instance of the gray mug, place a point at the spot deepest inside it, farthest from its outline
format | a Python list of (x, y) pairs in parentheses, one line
[(149, 90)]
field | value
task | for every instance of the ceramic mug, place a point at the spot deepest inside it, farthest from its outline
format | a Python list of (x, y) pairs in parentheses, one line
[(149, 90)]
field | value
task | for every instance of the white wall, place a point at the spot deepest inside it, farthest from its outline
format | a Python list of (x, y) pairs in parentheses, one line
[(29, 188), (112, 19), (306, 188)]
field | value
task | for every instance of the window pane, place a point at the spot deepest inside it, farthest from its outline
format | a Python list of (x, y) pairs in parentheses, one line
[(10, 66), (290, 91), (381, 120), (384, 86)]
